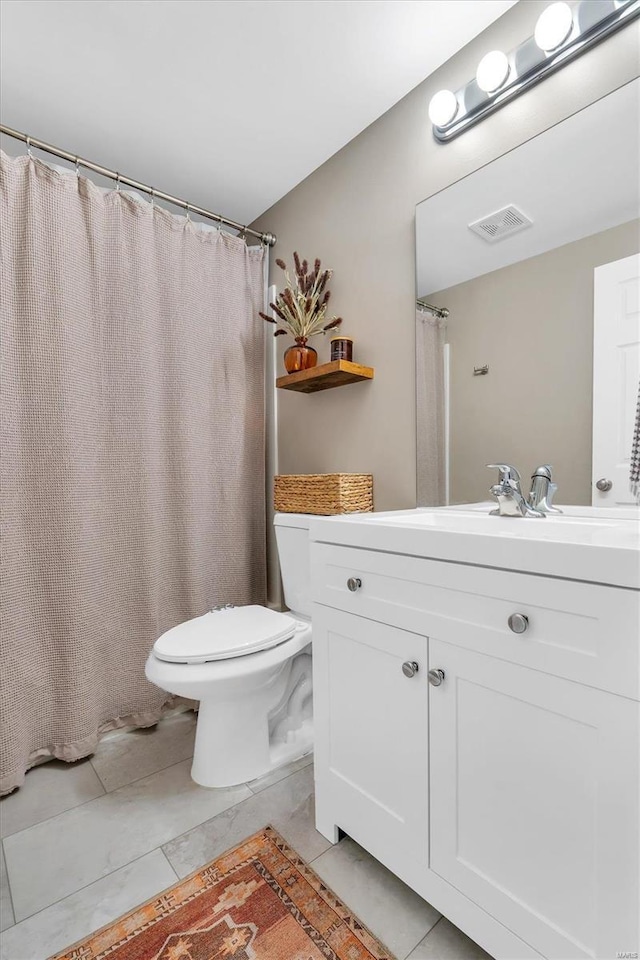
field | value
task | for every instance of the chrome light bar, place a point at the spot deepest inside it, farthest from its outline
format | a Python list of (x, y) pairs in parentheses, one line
[(562, 33)]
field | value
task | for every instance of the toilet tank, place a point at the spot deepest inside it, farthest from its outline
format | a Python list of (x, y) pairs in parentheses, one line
[(292, 536)]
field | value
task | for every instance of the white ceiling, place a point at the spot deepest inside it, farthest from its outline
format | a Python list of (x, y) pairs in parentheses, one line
[(575, 179), (226, 103)]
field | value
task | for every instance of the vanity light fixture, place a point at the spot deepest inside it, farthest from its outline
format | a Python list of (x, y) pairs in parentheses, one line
[(553, 27), (443, 108), (563, 32), (492, 71)]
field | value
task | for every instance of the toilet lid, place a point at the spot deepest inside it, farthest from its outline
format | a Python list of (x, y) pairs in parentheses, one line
[(221, 634)]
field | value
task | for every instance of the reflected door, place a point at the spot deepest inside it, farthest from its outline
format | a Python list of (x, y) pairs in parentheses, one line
[(616, 372)]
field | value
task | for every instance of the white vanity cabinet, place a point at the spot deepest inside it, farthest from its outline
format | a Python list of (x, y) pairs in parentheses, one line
[(374, 720), (534, 802), (508, 794)]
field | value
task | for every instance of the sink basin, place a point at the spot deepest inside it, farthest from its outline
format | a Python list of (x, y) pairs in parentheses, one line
[(476, 521), (583, 543), (568, 512)]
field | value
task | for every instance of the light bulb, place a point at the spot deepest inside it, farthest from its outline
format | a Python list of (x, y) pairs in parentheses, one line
[(492, 71), (553, 26), (443, 107)]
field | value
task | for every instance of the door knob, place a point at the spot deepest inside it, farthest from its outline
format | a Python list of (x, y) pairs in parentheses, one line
[(409, 668), (518, 622), (436, 677), (354, 583), (604, 485)]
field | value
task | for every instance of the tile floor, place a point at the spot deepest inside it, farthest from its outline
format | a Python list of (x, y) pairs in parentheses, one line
[(85, 842)]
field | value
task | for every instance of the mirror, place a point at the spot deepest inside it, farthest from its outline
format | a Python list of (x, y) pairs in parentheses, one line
[(510, 251)]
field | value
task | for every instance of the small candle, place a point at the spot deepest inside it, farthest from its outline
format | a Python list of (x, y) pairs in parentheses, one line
[(341, 348)]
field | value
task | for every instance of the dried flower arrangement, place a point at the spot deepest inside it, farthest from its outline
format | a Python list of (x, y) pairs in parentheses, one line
[(302, 306)]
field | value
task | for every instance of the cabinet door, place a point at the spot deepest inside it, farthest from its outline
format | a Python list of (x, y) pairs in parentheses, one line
[(370, 723), (534, 803)]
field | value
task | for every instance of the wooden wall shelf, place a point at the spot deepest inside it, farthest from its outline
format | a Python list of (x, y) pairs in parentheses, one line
[(337, 373)]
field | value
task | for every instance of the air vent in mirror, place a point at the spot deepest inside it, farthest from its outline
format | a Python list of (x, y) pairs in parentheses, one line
[(501, 224)]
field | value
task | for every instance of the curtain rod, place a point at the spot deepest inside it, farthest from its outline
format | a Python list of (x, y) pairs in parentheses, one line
[(267, 238), (441, 312)]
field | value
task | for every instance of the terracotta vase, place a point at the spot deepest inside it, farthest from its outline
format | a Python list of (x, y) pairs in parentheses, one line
[(299, 356)]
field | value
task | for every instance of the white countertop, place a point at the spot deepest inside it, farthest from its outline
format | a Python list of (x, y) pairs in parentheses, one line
[(597, 545)]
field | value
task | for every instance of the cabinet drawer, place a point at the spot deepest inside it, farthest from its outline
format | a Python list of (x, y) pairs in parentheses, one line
[(584, 632)]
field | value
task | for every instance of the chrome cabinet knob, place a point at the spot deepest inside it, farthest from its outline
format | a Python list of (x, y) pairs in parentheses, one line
[(518, 622), (409, 668), (604, 485), (436, 677), (354, 583)]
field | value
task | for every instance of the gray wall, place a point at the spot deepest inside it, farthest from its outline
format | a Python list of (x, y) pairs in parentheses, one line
[(356, 212), (532, 322)]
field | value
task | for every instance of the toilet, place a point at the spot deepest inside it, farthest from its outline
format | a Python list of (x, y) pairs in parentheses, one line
[(250, 668)]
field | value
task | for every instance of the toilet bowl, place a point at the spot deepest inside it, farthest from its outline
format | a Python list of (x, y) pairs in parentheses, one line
[(250, 668)]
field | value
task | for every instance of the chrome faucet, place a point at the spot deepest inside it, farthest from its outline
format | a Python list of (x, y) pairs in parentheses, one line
[(511, 500), (543, 490), (508, 493)]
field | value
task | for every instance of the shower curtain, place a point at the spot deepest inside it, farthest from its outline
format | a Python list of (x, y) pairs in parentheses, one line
[(132, 466), (430, 409)]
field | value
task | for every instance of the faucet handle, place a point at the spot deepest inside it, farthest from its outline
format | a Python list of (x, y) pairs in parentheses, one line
[(551, 492), (543, 489), (543, 471), (508, 474)]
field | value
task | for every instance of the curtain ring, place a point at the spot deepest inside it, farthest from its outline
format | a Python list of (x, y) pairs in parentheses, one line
[(77, 163), (188, 212), (117, 181), (220, 224), (28, 141), (153, 198)]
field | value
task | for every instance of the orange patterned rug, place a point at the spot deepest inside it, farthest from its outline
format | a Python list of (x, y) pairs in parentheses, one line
[(260, 901)]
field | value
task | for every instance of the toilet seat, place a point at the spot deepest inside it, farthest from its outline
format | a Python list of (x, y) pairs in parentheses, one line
[(224, 634)]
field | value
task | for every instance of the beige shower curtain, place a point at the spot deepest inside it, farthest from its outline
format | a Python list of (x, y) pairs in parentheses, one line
[(132, 450), (430, 333)]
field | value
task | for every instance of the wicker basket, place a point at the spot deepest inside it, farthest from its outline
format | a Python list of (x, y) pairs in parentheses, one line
[(325, 494)]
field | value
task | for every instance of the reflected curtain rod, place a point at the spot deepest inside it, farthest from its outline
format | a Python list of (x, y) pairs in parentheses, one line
[(267, 238), (440, 312)]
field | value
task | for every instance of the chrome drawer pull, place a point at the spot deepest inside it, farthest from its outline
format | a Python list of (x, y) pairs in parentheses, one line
[(354, 583), (518, 622), (436, 677), (409, 668)]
